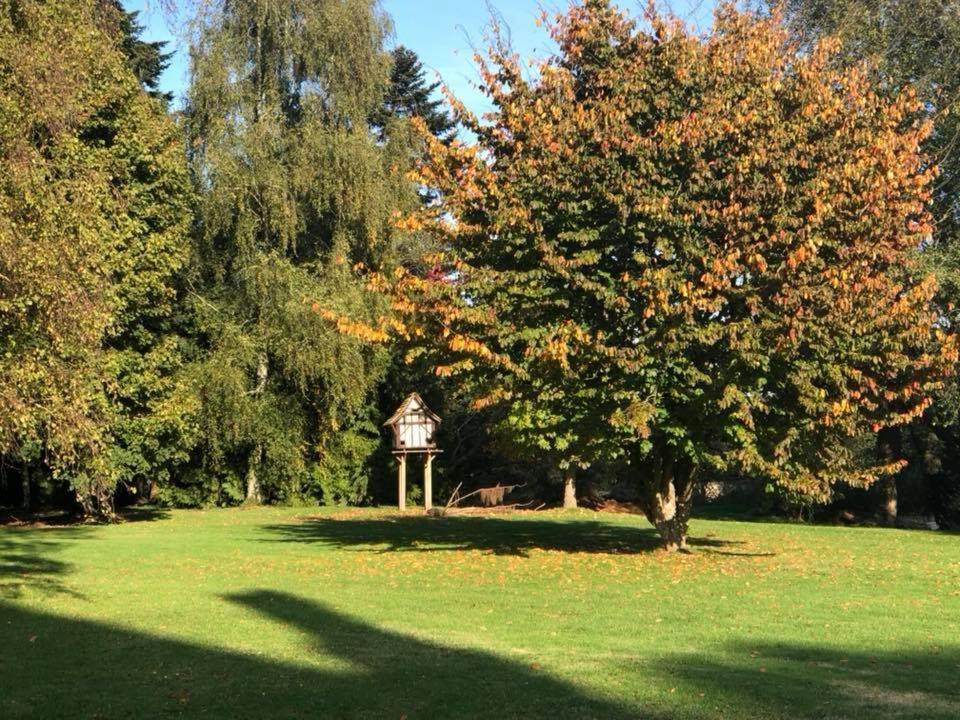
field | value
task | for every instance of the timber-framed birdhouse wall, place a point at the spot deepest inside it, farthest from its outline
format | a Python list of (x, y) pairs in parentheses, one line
[(414, 426)]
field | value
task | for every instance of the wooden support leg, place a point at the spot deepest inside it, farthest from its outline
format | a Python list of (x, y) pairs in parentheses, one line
[(402, 482), (428, 481)]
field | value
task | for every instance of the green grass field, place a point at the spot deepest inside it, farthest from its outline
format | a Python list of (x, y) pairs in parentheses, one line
[(283, 613)]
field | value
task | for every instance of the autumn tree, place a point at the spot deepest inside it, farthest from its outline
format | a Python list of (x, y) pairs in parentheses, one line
[(694, 252), (93, 208), (295, 188), (916, 44)]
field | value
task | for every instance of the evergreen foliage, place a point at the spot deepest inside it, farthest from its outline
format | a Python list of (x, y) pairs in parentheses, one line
[(410, 95), (147, 60)]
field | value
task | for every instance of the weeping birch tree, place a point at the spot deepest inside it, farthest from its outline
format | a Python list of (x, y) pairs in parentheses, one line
[(295, 190)]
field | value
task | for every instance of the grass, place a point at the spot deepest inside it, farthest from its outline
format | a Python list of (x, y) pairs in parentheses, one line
[(285, 613)]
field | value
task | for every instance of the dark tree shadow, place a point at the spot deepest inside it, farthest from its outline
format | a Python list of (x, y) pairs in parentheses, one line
[(814, 681), (739, 553), (142, 513), (26, 560), (67, 518), (18, 518), (58, 667), (504, 536)]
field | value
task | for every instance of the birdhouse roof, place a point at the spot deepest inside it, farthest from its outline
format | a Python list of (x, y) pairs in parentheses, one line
[(412, 403)]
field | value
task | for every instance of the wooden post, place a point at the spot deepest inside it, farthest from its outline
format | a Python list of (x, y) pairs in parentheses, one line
[(428, 481), (402, 481)]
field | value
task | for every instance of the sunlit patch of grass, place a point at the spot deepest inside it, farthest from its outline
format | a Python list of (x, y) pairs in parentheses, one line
[(272, 612)]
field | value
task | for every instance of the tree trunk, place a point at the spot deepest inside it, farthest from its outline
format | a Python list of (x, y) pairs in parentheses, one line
[(890, 499), (25, 485), (97, 502), (253, 483), (668, 497), (256, 455), (569, 488), (888, 451)]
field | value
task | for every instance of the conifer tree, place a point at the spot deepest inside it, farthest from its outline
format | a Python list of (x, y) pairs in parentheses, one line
[(151, 408), (410, 95), (147, 59)]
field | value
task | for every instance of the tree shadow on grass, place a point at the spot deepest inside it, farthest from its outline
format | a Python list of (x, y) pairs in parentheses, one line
[(739, 553), (28, 550), (815, 681), (59, 667), (143, 513), (26, 562), (499, 535), (67, 518)]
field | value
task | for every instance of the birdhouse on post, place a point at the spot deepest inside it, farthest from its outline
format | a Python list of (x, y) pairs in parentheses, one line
[(414, 428)]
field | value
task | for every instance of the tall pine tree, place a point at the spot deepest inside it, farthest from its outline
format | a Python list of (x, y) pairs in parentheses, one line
[(147, 59), (409, 94)]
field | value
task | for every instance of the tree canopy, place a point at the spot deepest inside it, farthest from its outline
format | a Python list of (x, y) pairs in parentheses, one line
[(915, 44), (294, 189), (666, 255), (688, 251), (409, 95), (93, 221)]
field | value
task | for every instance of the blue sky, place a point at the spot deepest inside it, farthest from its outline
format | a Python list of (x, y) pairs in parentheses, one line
[(440, 31)]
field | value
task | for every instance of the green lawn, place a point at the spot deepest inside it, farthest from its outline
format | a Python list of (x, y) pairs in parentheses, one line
[(283, 613)]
